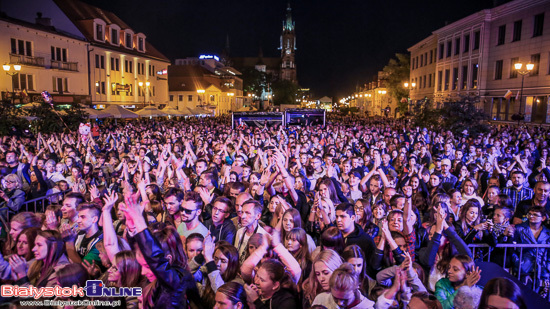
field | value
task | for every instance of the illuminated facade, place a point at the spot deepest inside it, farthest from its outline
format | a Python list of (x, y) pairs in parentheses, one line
[(118, 65), (206, 83), (288, 48)]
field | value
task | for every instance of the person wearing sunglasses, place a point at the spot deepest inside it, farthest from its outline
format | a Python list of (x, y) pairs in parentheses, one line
[(220, 226), (191, 209)]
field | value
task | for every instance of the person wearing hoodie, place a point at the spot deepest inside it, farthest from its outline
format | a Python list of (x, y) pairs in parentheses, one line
[(220, 226), (352, 232)]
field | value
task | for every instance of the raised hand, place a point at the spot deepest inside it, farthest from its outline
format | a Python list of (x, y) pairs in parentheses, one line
[(472, 278), (209, 248), (94, 192), (110, 201), (67, 232), (51, 220), (18, 265), (206, 196), (92, 268)]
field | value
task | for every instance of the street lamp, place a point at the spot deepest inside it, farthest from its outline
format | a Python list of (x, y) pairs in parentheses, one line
[(16, 69), (409, 87), (147, 84), (7, 69), (528, 68)]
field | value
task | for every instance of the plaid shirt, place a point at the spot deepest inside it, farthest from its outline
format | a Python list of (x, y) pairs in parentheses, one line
[(517, 196)]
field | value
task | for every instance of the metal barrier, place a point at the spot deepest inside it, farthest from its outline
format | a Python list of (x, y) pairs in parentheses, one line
[(37, 204), (515, 247)]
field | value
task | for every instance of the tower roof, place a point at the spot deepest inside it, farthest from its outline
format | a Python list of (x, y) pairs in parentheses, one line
[(288, 24)]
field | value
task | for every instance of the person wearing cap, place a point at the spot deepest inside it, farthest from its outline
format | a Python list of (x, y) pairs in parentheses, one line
[(437, 165)]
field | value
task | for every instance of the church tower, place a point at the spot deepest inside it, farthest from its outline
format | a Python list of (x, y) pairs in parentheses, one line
[(288, 49)]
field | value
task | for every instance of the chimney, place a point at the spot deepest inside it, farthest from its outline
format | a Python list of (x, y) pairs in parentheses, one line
[(43, 21)]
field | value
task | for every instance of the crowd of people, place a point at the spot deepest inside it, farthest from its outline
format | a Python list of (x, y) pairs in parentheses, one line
[(360, 213)]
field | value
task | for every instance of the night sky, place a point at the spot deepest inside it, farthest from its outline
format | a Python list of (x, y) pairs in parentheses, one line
[(340, 43)]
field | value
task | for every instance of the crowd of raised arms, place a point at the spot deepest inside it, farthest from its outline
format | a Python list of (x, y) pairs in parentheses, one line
[(361, 213)]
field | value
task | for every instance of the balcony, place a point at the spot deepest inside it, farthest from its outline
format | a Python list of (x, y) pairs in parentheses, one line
[(27, 60), (66, 66)]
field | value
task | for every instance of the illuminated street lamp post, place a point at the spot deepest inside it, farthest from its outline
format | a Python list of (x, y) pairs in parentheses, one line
[(144, 91), (409, 87), (16, 70), (528, 68)]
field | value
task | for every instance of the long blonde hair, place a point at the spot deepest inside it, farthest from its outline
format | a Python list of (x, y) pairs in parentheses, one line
[(311, 286)]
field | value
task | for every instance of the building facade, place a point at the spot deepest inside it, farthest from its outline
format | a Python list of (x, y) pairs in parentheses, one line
[(116, 64), (423, 68), (206, 83), (476, 58), (49, 60)]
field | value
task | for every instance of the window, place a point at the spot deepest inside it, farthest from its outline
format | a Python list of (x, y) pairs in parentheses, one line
[(517, 30), (21, 47), (447, 77), (412, 63), (128, 40), (441, 50), (426, 58), (440, 80), (498, 69), (430, 80), (59, 54), (180, 97), (103, 87), (455, 78), (477, 38), (128, 66), (171, 98), (464, 77), (140, 44), (23, 82), (431, 56), (421, 60), (190, 98), (424, 81), (114, 36), (60, 85), (115, 64), (501, 35), (513, 71), (538, 25), (475, 68), (535, 59), (100, 61), (449, 47), (99, 32), (457, 46), (466, 43)]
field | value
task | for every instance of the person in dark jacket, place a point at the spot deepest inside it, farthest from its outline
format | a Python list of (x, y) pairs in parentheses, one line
[(220, 226), (163, 260), (352, 232), (272, 288)]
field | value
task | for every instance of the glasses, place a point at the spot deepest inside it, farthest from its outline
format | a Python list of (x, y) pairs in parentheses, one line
[(188, 211), (533, 215), (215, 209), (10, 181)]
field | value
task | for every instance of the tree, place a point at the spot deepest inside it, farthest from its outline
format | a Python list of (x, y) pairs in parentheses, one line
[(12, 118), (455, 116), (255, 81), (398, 71), (49, 121), (284, 92)]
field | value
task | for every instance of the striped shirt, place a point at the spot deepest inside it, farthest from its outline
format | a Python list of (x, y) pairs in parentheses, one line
[(524, 193)]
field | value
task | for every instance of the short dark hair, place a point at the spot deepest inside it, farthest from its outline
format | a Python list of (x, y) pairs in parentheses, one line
[(194, 197), (346, 207), (90, 206), (178, 193), (194, 236), (539, 209), (76, 195), (224, 200)]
